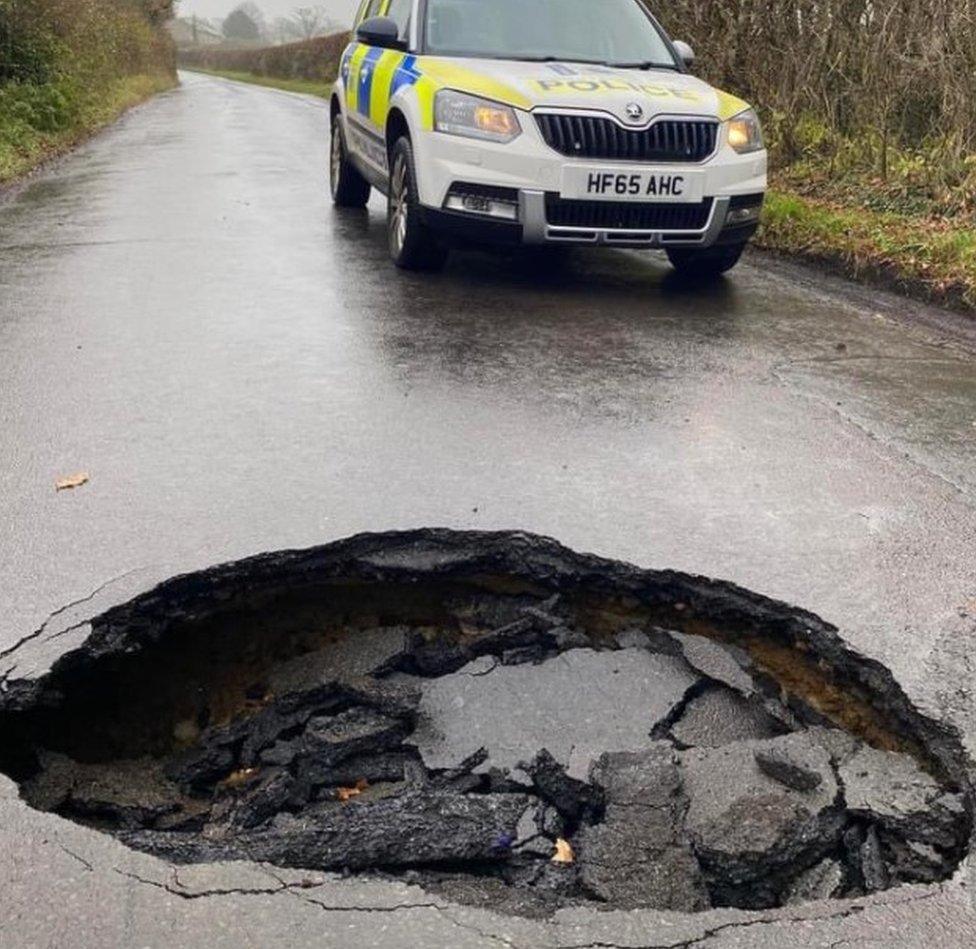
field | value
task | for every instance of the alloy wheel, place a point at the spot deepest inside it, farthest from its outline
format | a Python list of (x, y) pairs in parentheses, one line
[(399, 206), (335, 163)]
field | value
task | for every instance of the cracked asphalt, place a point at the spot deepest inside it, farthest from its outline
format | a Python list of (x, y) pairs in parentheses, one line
[(240, 369)]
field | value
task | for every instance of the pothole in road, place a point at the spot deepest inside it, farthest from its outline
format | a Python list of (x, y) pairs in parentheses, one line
[(500, 720)]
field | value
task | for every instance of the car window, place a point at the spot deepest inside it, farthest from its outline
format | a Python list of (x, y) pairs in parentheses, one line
[(372, 9), (399, 13), (361, 14), (606, 31)]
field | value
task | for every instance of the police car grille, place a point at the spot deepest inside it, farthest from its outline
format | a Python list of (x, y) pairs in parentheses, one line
[(626, 215), (591, 137)]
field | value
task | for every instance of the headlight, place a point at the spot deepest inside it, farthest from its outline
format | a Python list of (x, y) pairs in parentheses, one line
[(459, 114), (745, 133)]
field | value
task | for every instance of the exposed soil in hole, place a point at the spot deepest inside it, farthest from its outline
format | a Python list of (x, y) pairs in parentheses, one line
[(498, 719)]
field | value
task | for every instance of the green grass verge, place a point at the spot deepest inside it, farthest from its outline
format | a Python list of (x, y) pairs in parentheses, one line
[(23, 148), (930, 258), (306, 86)]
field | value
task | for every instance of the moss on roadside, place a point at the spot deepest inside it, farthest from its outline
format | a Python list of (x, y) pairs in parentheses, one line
[(929, 258), (305, 86), (24, 147)]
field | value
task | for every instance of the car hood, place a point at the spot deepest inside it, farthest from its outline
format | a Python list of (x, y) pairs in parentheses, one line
[(527, 85)]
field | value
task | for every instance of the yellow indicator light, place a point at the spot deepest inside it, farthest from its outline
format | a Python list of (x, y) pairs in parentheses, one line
[(497, 121)]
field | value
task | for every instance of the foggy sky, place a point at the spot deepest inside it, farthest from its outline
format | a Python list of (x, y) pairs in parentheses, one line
[(340, 10)]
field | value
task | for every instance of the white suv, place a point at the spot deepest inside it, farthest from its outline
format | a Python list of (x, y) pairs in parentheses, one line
[(541, 122)]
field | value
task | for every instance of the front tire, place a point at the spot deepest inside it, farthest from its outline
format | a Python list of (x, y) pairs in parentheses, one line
[(349, 188), (413, 245), (710, 262)]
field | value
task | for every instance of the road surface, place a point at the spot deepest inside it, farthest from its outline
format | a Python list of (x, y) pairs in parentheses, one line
[(239, 368)]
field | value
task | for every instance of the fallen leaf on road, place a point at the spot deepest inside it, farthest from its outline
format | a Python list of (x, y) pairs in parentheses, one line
[(343, 794), (564, 852), (72, 481)]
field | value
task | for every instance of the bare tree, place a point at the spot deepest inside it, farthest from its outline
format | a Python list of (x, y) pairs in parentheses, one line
[(245, 22), (310, 21), (285, 30)]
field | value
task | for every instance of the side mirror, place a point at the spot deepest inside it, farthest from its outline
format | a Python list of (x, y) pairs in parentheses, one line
[(686, 53), (380, 31)]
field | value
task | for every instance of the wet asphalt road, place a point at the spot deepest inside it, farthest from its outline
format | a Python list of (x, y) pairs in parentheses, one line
[(239, 368)]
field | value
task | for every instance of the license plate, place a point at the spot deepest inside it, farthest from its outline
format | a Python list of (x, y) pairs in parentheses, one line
[(615, 184)]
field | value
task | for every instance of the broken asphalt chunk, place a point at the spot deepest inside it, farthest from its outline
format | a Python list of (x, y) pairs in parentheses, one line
[(358, 653), (719, 716), (563, 707), (261, 801), (632, 639), (268, 727), (713, 660), (413, 828), (573, 799), (824, 881), (639, 855), (747, 826), (201, 766), (330, 740), (127, 793), (909, 861), (797, 768), (873, 871), (893, 790)]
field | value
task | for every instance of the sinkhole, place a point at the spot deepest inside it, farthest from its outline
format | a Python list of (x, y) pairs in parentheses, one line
[(500, 720)]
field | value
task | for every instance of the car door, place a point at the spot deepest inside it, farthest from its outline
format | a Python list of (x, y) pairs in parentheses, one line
[(356, 73), (370, 80)]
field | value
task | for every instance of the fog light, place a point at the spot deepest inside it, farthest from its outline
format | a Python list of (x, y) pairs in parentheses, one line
[(480, 204), (743, 215), (488, 205), (472, 202)]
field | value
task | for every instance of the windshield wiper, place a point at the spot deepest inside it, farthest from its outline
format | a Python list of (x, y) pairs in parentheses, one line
[(645, 64), (549, 58), (558, 59)]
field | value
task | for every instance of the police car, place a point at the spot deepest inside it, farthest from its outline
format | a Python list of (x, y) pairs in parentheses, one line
[(541, 122)]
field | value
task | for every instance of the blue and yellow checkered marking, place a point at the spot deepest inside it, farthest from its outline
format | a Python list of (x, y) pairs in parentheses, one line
[(350, 73), (406, 75), (372, 77), (367, 70)]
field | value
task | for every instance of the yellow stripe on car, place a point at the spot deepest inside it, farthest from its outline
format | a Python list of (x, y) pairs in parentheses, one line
[(379, 98), (446, 75), (352, 83), (728, 105), (426, 89)]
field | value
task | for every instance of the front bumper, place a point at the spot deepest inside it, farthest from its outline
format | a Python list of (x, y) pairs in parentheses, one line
[(533, 226), (530, 172), (536, 228)]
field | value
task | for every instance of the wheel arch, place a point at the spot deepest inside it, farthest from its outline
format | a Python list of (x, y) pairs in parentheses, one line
[(397, 126)]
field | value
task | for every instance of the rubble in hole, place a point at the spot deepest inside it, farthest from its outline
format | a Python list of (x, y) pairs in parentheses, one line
[(521, 748)]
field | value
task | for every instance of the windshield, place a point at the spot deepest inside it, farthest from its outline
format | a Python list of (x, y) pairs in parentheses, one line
[(602, 31)]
